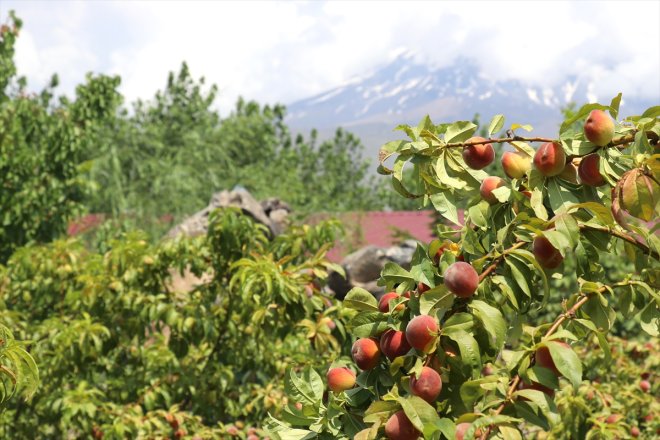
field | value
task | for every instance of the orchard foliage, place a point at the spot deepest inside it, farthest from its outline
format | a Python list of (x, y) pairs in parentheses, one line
[(123, 355), (41, 148), (479, 290)]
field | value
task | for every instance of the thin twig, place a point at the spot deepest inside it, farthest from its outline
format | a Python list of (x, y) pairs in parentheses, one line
[(623, 236), (621, 140), (560, 319)]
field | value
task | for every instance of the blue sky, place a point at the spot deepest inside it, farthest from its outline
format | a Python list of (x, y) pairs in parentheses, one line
[(283, 51)]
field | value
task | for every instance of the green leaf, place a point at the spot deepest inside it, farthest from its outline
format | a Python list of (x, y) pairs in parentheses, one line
[(496, 124), (438, 298), (367, 324), (307, 389), (566, 361), (560, 196), (361, 299), (419, 412), (650, 319), (614, 106), (525, 127), (393, 272), (459, 131), (445, 204), (492, 320)]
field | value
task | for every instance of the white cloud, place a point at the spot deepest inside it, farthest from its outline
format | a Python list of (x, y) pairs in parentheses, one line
[(282, 51)]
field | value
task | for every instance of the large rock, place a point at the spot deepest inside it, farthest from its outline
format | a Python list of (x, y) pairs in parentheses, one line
[(271, 212), (363, 267)]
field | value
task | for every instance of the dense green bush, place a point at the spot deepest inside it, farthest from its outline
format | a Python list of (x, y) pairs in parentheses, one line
[(117, 348)]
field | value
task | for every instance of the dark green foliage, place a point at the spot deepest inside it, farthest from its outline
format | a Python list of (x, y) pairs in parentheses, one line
[(117, 345)]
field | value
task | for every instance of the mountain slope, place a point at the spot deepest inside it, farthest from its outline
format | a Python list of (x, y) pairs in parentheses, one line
[(406, 89)]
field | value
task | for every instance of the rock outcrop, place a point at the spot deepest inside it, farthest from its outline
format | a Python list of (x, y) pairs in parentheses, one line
[(363, 267), (271, 212)]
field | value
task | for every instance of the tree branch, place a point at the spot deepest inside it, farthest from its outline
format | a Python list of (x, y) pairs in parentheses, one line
[(621, 140), (623, 236), (560, 319)]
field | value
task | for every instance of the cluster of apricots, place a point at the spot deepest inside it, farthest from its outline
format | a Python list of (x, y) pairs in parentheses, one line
[(462, 279)]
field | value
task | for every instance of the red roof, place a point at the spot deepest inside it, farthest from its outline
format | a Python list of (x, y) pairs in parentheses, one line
[(380, 228)]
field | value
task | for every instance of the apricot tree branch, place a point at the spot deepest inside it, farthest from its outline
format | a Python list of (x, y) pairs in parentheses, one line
[(621, 140), (583, 298), (499, 259), (623, 236)]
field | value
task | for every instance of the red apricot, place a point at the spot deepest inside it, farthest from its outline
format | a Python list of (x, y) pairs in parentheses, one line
[(516, 164), (645, 386), (480, 155), (546, 254), (589, 171), (421, 287), (614, 418), (544, 359), (635, 432), (461, 279), (383, 303), (428, 385), (550, 159), (399, 427), (599, 128), (340, 379), (488, 185), (393, 344), (421, 332), (366, 353)]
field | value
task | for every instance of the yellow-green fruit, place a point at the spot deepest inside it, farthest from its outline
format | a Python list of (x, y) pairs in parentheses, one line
[(516, 164), (340, 379), (599, 128)]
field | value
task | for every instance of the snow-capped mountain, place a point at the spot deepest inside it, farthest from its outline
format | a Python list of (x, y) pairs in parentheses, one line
[(406, 89)]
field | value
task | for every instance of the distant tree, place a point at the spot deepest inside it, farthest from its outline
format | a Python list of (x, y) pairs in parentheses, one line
[(42, 144)]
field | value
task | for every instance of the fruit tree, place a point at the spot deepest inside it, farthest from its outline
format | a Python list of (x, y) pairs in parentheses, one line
[(454, 352)]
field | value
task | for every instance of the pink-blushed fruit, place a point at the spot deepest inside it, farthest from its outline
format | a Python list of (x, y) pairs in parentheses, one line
[(461, 279), (393, 344), (366, 353), (428, 385), (599, 128), (421, 332), (614, 418), (589, 170), (421, 287), (545, 253), (488, 185), (645, 386), (544, 359), (480, 155), (399, 427), (462, 428), (516, 164), (340, 379), (550, 159), (383, 303), (635, 432)]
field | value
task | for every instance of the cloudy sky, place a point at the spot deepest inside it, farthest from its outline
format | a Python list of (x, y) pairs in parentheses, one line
[(280, 51)]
